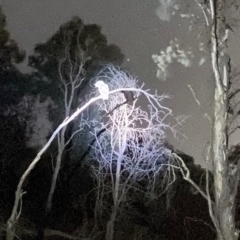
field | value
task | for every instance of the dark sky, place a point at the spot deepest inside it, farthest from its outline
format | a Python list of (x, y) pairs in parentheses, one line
[(133, 25)]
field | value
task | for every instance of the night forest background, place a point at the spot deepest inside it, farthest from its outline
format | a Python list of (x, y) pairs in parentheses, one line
[(179, 212)]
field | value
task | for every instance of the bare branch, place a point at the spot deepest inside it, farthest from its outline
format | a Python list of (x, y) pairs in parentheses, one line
[(204, 11), (194, 95), (186, 174)]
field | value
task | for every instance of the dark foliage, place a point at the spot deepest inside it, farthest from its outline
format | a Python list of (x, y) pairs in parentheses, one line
[(76, 43), (9, 51)]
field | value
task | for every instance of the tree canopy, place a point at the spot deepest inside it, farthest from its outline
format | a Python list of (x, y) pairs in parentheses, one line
[(73, 44), (9, 50)]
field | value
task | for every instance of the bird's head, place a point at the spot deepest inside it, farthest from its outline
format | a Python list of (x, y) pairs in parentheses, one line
[(99, 84)]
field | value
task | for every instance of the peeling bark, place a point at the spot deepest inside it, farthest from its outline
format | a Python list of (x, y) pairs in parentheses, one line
[(224, 214)]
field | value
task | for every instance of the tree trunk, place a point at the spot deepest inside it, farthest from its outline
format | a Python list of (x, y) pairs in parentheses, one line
[(61, 145), (224, 196), (110, 225), (226, 224), (224, 190)]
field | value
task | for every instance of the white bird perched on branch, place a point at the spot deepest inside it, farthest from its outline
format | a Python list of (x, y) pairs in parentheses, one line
[(103, 89)]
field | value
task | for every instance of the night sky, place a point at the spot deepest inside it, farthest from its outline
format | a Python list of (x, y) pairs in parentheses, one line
[(139, 32)]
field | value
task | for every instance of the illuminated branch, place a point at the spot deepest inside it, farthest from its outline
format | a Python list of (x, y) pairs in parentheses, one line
[(15, 214), (131, 148)]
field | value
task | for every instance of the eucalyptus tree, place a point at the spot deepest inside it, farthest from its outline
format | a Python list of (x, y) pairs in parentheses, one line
[(130, 149), (11, 80), (219, 22), (9, 50), (65, 64)]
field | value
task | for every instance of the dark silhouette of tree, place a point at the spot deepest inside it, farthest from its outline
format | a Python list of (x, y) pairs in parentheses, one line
[(9, 51), (12, 157), (78, 44), (11, 87)]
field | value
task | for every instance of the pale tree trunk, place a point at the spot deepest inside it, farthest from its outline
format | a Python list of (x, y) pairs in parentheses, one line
[(225, 190), (69, 91), (116, 199), (117, 194), (110, 224), (61, 146), (224, 197)]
